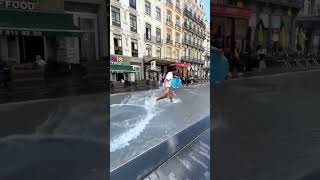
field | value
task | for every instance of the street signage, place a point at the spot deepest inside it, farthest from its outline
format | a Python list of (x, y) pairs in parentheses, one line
[(119, 60), (19, 33), (18, 5)]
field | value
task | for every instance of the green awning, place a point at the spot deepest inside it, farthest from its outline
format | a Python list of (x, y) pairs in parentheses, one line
[(121, 68), (24, 22)]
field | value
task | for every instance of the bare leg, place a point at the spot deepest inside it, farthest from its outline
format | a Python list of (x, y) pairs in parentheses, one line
[(163, 96), (170, 94)]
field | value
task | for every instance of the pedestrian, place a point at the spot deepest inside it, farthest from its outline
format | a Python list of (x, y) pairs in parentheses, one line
[(40, 62), (261, 60), (160, 79), (219, 63), (235, 58), (168, 91)]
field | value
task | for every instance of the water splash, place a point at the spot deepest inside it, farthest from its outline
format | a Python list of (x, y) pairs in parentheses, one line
[(146, 102)]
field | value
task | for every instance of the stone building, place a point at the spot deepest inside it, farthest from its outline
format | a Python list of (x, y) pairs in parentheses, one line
[(270, 24), (308, 27)]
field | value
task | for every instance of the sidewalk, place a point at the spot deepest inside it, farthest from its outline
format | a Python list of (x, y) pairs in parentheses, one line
[(145, 88), (276, 70)]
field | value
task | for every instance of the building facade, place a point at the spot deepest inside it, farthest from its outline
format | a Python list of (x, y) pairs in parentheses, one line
[(125, 41), (63, 30), (152, 35), (308, 28), (206, 54), (194, 34), (249, 24)]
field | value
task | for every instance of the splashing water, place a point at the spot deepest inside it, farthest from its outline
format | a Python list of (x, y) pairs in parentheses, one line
[(144, 106)]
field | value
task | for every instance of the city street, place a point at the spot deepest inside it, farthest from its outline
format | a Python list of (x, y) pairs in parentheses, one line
[(138, 122), (54, 139), (267, 128)]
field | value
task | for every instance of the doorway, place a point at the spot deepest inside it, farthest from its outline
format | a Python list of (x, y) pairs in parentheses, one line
[(30, 47)]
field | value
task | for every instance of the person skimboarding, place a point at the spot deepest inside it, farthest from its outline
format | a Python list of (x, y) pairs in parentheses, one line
[(170, 82)]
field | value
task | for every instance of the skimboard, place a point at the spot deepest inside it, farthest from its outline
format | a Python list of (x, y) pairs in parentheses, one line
[(176, 83)]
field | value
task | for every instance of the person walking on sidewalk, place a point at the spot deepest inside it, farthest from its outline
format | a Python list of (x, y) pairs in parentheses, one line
[(261, 58), (235, 59)]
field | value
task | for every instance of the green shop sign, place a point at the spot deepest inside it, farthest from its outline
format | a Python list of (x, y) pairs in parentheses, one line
[(119, 60)]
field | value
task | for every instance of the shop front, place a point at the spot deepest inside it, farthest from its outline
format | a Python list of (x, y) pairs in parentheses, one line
[(25, 34), (182, 69), (230, 26), (120, 69), (153, 67)]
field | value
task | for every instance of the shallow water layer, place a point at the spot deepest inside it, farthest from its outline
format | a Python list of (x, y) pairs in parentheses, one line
[(138, 122)]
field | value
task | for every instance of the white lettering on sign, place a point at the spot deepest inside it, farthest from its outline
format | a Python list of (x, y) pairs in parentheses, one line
[(22, 33), (19, 5)]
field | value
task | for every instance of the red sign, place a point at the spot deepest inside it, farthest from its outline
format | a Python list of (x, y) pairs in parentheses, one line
[(230, 11), (180, 65)]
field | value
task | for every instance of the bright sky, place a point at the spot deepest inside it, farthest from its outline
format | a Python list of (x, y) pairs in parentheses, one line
[(207, 9)]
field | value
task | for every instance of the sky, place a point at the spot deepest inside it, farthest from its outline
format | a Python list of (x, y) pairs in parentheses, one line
[(207, 9)]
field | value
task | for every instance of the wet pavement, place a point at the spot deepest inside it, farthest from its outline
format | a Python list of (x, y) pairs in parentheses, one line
[(138, 122), (267, 128), (54, 139)]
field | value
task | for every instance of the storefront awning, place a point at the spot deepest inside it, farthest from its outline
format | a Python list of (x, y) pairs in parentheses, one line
[(121, 68), (31, 23)]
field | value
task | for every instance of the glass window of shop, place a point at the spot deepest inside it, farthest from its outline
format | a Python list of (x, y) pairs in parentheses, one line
[(88, 42)]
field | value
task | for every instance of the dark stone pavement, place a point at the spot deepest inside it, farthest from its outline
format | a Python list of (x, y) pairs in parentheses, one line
[(267, 128), (52, 139)]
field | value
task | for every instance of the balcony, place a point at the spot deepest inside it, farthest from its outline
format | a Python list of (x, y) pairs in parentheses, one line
[(118, 50), (291, 3), (133, 29), (178, 45), (192, 60), (153, 39), (178, 9), (169, 23), (135, 53), (169, 42), (169, 3), (147, 38), (178, 27), (116, 23)]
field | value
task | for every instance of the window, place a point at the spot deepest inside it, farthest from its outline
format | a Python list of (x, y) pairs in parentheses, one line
[(177, 37), (158, 35), (149, 50), (133, 23), (117, 44), (178, 54), (169, 16), (178, 21), (148, 8), (158, 52), (148, 32), (158, 13), (134, 47), (115, 16), (169, 34), (132, 3), (169, 52), (178, 4)]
